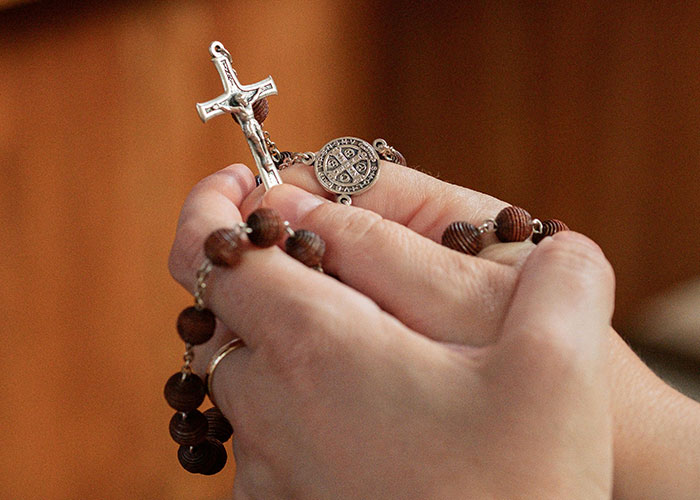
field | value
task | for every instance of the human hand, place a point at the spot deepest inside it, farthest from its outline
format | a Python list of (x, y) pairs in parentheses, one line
[(336, 397), (656, 437)]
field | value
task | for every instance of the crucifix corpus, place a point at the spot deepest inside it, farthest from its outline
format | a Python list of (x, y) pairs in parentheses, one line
[(345, 166), (240, 101)]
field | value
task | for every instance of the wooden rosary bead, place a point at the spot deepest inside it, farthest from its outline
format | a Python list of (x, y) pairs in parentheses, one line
[(306, 246), (220, 457), (189, 428), (196, 326), (260, 109), (222, 247), (219, 427), (266, 227), (199, 458), (399, 158), (463, 237), (549, 227), (514, 224), (184, 394)]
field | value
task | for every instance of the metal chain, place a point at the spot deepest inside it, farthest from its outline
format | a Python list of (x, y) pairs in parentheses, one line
[(201, 283), (488, 226), (387, 152)]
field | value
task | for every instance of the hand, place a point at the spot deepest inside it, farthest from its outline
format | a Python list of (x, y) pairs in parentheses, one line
[(656, 438), (335, 397)]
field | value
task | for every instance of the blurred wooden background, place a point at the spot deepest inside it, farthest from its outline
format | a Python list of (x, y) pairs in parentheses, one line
[(588, 112)]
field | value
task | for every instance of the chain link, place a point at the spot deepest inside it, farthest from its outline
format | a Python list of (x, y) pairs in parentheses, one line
[(201, 283), (488, 226)]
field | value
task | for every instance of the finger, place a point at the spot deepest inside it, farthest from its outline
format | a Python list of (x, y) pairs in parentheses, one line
[(268, 298), (551, 365), (561, 310), (211, 204), (439, 292), (404, 195)]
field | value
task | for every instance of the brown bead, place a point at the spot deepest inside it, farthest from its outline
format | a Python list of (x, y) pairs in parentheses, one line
[(266, 227), (196, 326), (223, 247), (549, 227), (260, 109), (306, 246), (220, 457), (514, 224), (189, 428), (184, 394), (202, 458), (219, 426), (463, 237)]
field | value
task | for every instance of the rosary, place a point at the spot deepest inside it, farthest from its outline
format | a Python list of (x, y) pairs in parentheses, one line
[(345, 167)]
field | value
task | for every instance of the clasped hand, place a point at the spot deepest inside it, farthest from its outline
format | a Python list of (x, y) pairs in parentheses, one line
[(419, 372)]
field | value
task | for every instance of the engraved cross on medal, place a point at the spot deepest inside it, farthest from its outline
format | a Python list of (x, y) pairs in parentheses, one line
[(238, 100)]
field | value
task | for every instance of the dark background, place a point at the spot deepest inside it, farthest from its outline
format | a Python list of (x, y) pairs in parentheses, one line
[(583, 111)]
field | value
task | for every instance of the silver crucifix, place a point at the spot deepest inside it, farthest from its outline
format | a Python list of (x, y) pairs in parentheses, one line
[(238, 100)]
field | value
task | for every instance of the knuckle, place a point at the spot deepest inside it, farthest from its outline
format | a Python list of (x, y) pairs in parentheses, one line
[(361, 225)]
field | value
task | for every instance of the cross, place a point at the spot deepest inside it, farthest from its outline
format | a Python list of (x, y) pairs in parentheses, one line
[(349, 164), (238, 100)]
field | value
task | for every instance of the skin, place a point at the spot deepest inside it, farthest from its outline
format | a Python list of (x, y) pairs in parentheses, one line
[(425, 373)]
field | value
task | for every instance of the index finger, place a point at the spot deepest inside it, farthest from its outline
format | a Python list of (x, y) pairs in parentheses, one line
[(404, 195)]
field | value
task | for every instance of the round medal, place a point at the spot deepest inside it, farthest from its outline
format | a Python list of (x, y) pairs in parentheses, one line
[(347, 166)]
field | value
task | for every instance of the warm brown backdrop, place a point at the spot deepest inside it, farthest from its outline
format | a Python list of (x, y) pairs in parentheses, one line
[(589, 112)]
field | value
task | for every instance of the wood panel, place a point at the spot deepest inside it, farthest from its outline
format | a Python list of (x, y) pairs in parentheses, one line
[(583, 111), (100, 142)]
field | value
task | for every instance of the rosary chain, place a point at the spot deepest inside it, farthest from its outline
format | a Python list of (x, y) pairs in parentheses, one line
[(201, 283)]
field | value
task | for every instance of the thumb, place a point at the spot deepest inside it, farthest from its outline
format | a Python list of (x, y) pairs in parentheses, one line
[(563, 301), (548, 373)]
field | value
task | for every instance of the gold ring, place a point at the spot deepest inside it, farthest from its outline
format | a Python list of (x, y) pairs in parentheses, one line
[(224, 351)]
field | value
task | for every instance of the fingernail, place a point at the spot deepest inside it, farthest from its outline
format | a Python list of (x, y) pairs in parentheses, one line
[(291, 202)]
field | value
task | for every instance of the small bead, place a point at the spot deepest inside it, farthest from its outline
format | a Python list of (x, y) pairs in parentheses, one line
[(200, 458), (549, 227), (219, 426), (266, 227), (189, 428), (260, 109), (463, 237), (196, 326), (306, 246), (222, 247), (514, 224), (399, 158), (220, 457), (184, 394)]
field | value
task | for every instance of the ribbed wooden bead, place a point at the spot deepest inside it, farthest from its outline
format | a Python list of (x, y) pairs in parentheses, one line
[(514, 224), (399, 158), (463, 237), (549, 227), (196, 326), (266, 227), (223, 247), (201, 458), (260, 109), (184, 394), (219, 427), (189, 428), (220, 457), (306, 246)]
